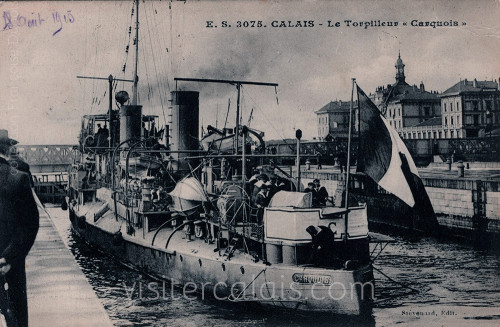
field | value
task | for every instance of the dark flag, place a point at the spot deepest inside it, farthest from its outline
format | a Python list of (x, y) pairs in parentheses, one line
[(384, 157)]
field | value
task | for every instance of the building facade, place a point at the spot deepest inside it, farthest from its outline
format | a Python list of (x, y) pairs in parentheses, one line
[(470, 109), (333, 120)]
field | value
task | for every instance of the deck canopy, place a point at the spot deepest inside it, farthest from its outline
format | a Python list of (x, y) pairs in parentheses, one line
[(291, 199)]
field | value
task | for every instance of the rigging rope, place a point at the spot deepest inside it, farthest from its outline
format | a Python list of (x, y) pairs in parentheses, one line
[(161, 59), (269, 122), (127, 47), (395, 281), (154, 65)]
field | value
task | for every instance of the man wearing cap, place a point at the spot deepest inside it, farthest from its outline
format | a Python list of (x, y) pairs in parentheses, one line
[(18, 228), (262, 201), (321, 191)]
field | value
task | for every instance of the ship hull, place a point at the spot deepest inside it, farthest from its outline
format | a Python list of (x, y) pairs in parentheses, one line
[(196, 268)]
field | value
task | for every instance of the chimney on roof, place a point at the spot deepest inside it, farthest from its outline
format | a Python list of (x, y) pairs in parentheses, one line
[(422, 88), (474, 84), (340, 103), (498, 84)]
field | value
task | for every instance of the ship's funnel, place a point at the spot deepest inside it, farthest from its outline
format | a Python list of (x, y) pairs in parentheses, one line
[(184, 126), (130, 122)]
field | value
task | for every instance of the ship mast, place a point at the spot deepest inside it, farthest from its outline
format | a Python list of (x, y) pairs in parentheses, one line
[(348, 168), (136, 78)]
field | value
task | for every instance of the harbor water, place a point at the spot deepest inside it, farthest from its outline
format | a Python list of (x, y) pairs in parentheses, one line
[(424, 282)]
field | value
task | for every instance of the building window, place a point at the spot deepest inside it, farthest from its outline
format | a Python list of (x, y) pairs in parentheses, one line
[(451, 121), (427, 111), (451, 106), (458, 120), (457, 107), (399, 111), (445, 121), (445, 107), (475, 105), (452, 134)]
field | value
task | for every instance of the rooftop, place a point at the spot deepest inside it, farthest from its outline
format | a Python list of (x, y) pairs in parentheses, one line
[(335, 106), (471, 86)]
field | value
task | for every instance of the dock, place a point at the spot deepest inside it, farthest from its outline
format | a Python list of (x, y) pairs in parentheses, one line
[(58, 291)]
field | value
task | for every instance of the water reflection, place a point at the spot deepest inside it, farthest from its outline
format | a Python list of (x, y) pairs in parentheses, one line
[(446, 282)]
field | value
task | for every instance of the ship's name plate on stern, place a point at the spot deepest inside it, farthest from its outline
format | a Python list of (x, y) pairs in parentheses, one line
[(311, 279)]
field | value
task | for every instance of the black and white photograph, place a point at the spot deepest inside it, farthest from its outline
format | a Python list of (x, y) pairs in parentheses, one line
[(250, 163)]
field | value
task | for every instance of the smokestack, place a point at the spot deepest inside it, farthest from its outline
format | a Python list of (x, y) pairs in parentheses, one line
[(130, 122), (474, 83), (184, 126)]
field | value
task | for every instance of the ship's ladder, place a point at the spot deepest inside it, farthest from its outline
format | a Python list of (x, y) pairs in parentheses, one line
[(231, 247)]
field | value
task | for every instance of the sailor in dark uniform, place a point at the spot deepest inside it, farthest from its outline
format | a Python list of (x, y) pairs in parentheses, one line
[(18, 229), (322, 192), (262, 201)]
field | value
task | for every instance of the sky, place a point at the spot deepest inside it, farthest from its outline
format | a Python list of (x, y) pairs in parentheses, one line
[(45, 45)]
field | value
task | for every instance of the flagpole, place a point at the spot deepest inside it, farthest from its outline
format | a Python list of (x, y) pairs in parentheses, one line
[(348, 168)]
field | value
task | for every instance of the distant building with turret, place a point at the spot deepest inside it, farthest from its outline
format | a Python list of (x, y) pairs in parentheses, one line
[(406, 105), (468, 109)]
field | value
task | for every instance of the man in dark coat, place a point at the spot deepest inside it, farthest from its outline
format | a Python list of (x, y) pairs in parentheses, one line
[(322, 193), (18, 228)]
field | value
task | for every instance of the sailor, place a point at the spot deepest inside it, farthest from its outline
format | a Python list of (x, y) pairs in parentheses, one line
[(310, 189), (18, 229), (262, 179), (261, 201), (273, 186), (255, 176), (324, 251), (101, 136), (105, 133), (322, 192)]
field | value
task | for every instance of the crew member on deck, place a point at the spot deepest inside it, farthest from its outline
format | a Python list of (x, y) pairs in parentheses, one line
[(322, 192), (262, 201), (18, 229), (310, 189)]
